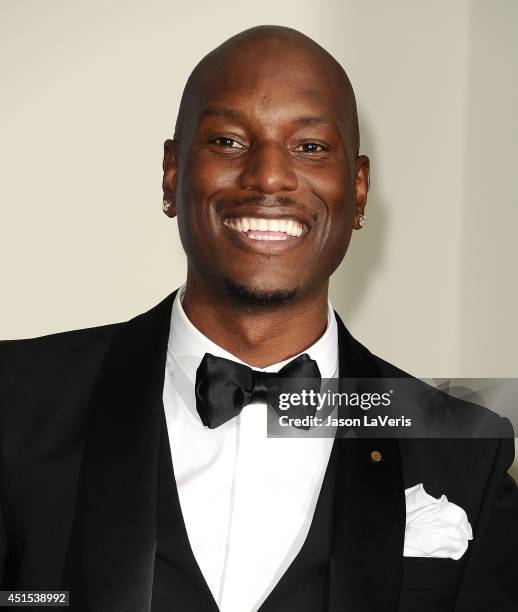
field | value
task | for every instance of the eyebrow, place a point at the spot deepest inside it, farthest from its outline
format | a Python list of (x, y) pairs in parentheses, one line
[(212, 111), (316, 120)]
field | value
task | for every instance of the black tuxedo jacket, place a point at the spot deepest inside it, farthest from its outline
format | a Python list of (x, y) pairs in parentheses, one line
[(80, 416)]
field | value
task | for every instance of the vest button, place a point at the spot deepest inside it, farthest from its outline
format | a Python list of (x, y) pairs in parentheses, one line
[(376, 456)]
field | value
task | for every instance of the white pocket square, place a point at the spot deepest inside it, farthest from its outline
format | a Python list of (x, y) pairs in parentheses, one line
[(434, 527)]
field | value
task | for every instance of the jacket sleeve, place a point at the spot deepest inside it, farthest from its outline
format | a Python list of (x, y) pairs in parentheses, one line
[(3, 547), (490, 581), (3, 535)]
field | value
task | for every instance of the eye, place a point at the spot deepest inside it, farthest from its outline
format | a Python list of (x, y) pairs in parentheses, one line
[(227, 143), (310, 147)]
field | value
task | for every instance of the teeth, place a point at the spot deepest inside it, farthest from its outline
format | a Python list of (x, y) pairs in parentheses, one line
[(250, 224), (260, 237)]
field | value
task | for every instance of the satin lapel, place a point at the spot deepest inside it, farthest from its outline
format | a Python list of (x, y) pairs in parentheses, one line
[(369, 521), (119, 490)]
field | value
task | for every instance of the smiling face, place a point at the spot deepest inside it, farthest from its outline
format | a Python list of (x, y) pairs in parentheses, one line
[(264, 170)]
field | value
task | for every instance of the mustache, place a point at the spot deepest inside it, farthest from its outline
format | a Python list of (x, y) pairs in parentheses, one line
[(263, 200)]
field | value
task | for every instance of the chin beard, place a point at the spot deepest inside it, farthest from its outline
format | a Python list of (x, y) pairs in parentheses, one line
[(247, 294)]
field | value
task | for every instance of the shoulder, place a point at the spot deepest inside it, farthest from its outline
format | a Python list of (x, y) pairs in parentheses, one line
[(457, 412), (37, 374), (48, 378), (54, 353)]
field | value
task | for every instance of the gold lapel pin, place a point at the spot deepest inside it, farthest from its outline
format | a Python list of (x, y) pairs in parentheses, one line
[(376, 456)]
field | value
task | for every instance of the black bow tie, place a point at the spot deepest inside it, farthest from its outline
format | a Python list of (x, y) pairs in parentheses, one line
[(224, 387)]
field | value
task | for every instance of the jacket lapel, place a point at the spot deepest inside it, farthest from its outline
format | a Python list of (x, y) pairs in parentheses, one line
[(369, 523), (117, 497)]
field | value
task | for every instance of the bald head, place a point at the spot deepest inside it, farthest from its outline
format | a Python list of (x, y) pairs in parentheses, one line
[(275, 57)]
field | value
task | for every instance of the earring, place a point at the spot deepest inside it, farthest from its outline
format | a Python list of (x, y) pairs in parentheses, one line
[(361, 220), (166, 205)]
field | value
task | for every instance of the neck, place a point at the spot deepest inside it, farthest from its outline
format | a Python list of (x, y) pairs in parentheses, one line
[(257, 334)]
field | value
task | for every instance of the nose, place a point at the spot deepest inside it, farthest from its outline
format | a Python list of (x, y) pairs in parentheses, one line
[(269, 170)]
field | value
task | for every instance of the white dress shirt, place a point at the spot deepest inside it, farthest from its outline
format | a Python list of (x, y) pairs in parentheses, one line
[(247, 500)]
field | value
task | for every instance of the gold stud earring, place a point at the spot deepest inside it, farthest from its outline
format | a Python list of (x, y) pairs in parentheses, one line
[(166, 205), (361, 220)]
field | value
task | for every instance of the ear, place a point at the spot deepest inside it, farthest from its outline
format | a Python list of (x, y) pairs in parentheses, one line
[(170, 168), (362, 178)]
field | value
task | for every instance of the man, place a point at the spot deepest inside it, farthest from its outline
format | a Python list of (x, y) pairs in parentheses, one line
[(131, 477)]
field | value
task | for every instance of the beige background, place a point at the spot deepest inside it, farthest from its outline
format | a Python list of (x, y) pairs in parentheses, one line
[(90, 89)]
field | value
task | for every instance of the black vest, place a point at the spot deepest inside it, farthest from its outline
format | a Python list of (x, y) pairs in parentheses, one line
[(178, 583)]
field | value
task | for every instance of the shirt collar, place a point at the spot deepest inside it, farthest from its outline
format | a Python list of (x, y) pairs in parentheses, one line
[(187, 345)]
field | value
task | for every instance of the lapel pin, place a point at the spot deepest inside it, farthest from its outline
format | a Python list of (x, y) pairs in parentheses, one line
[(376, 456)]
